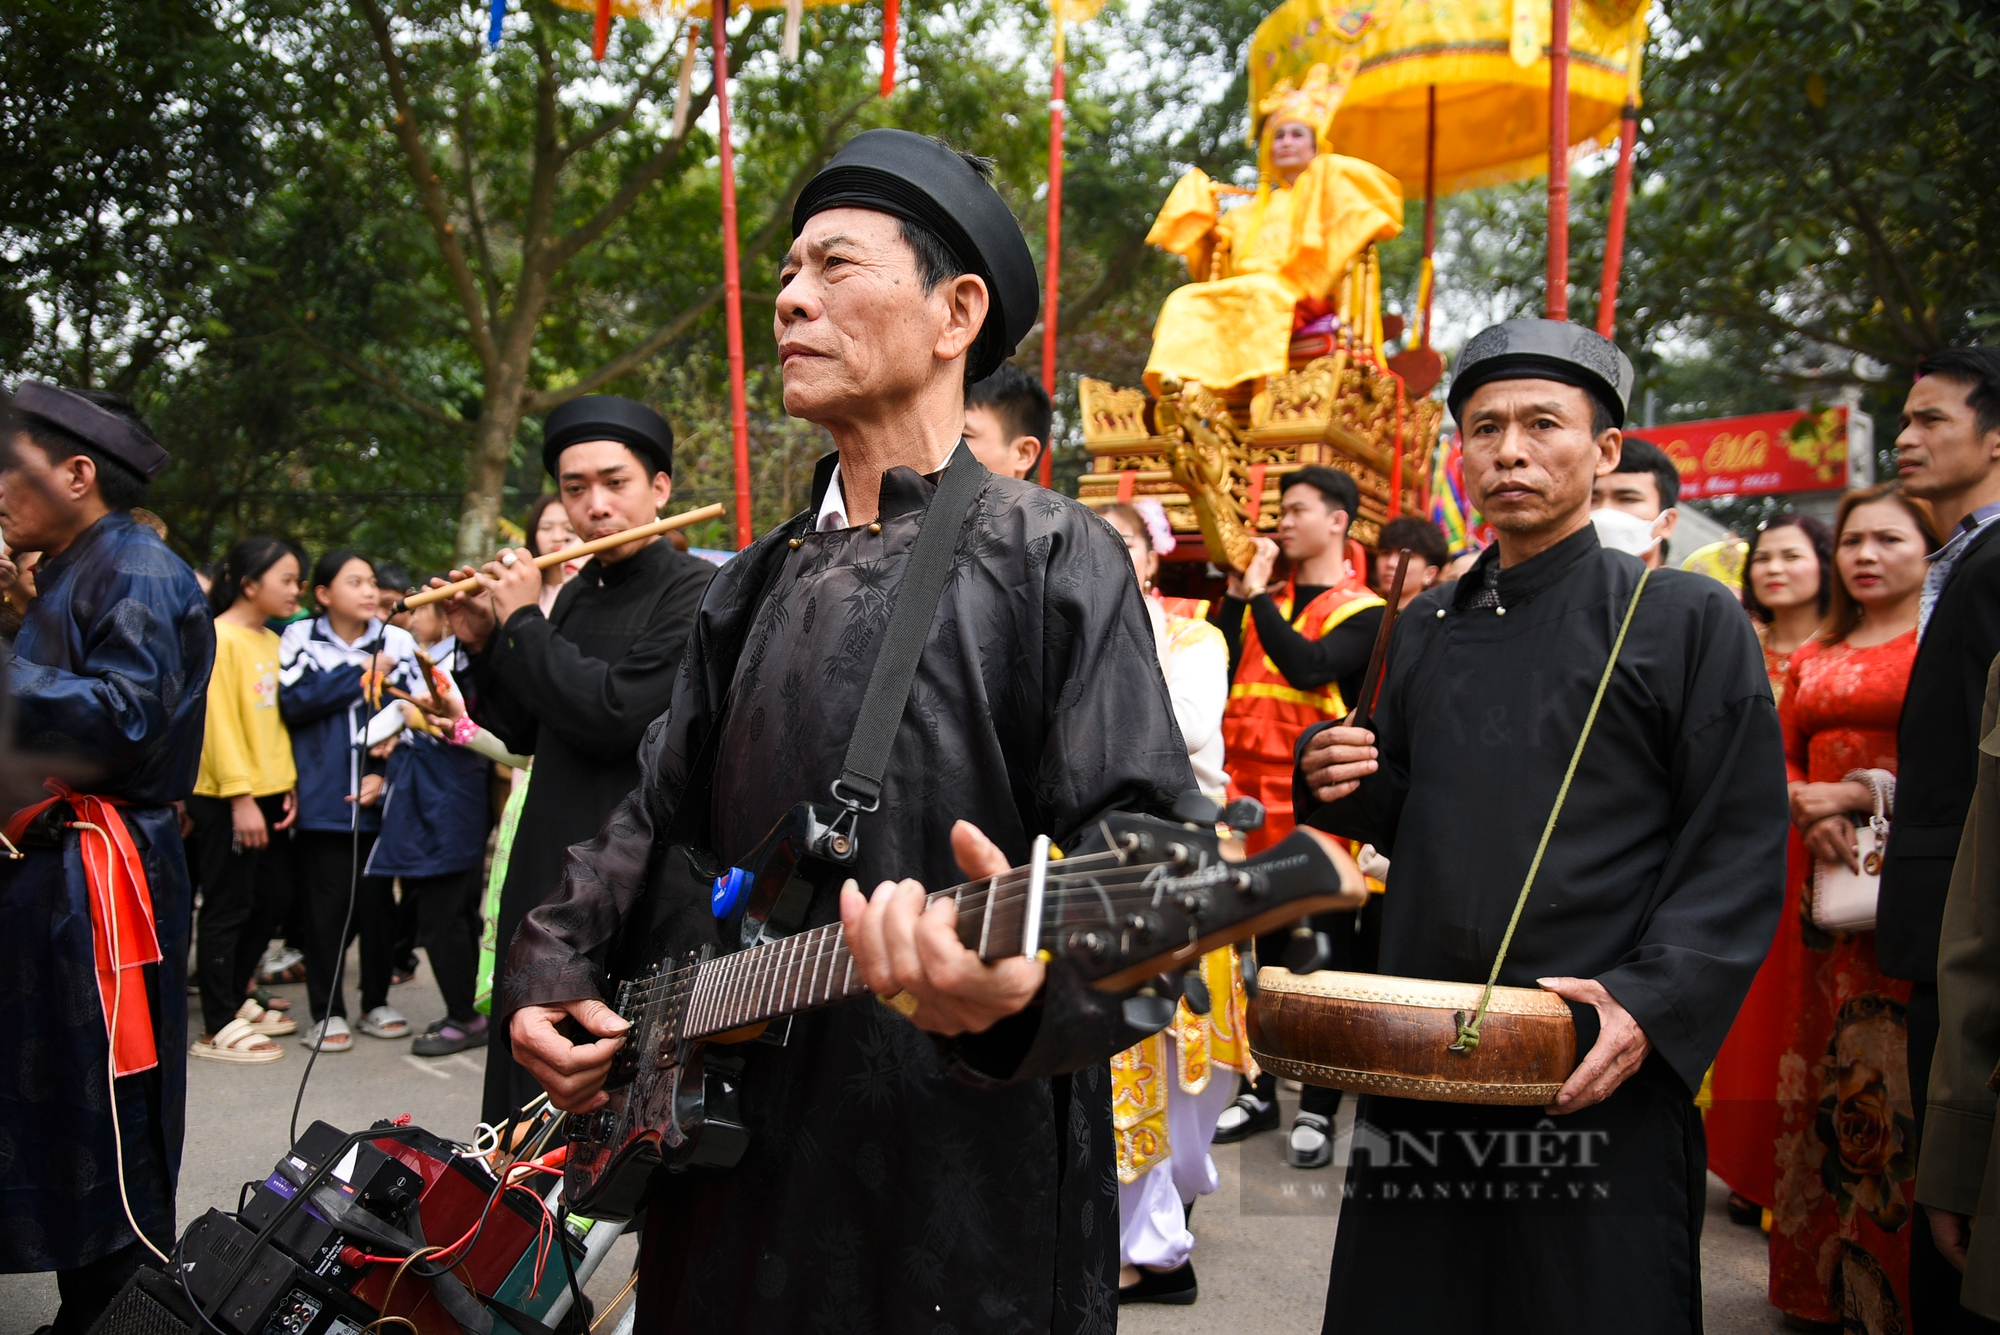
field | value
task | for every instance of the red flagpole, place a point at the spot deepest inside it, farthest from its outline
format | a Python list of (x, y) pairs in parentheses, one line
[(732, 277), (890, 23), (600, 30), (1614, 235), (1430, 209), (1558, 280), (1053, 262)]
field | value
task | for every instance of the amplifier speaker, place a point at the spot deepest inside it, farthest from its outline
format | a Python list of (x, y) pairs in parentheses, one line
[(149, 1304)]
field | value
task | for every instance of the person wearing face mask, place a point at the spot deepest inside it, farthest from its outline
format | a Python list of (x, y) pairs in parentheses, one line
[(1787, 589), (1571, 743), (1269, 267), (1633, 505)]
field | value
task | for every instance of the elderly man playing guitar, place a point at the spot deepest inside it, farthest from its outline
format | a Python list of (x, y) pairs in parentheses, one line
[(925, 673)]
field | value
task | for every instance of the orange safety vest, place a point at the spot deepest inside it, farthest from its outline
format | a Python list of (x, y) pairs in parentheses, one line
[(1266, 713)]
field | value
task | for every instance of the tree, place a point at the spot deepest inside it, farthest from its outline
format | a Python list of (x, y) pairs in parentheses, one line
[(1817, 175), (127, 127)]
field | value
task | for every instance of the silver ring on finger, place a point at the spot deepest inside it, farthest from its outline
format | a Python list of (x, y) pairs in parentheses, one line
[(508, 559)]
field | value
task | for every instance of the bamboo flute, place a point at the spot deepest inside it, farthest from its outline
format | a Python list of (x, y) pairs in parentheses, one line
[(591, 548)]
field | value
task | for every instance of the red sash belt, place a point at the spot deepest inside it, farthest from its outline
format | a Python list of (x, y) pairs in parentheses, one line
[(121, 919)]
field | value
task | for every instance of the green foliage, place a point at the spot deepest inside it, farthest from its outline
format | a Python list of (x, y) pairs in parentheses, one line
[(1818, 180), (220, 209)]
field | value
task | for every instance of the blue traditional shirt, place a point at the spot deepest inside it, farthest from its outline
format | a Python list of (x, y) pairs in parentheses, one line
[(111, 666)]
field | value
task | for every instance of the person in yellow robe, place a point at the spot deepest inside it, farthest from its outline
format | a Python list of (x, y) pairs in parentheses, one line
[(1313, 213)]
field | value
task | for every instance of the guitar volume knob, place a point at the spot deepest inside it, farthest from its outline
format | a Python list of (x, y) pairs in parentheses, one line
[(1096, 945)]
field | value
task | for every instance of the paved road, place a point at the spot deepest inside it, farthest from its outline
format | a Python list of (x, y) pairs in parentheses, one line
[(1261, 1271)]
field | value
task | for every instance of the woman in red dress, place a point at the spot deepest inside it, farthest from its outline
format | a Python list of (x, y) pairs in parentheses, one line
[(1787, 587), (1846, 1162)]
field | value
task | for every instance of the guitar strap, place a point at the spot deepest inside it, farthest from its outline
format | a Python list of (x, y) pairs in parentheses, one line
[(859, 787)]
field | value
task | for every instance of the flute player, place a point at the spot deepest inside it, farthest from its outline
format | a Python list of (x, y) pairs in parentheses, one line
[(577, 687)]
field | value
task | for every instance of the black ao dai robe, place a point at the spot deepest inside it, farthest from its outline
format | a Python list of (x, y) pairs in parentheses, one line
[(1663, 881), (894, 1183)]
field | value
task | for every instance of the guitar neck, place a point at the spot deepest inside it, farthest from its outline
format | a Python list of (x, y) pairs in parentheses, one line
[(812, 968)]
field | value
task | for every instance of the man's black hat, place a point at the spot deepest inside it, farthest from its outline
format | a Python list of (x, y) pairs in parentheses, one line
[(1543, 350), (920, 180), (120, 437), (607, 417)]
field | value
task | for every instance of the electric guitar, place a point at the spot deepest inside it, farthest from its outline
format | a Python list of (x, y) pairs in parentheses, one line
[(1137, 901)]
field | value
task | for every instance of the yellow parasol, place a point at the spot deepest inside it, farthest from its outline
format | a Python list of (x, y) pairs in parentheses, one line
[(1488, 60), (1451, 95)]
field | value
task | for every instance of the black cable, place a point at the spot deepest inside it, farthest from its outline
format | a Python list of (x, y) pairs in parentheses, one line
[(336, 993)]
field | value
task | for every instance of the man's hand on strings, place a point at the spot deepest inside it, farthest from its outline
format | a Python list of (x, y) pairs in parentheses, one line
[(572, 1073), (1337, 759), (1620, 1048), (910, 954)]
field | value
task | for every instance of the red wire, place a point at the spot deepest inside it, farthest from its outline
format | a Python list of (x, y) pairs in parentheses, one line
[(544, 1226)]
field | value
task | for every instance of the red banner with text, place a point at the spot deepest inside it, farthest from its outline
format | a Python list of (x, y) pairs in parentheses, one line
[(1757, 455)]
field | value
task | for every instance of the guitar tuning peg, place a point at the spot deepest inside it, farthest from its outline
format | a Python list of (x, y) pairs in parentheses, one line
[(1148, 1011), (1308, 951), (1244, 815), (1194, 807), (1194, 990)]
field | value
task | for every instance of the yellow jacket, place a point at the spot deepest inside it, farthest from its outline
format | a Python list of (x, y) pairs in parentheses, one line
[(247, 749)]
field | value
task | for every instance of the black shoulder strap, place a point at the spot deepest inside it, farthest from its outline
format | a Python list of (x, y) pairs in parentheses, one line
[(889, 688), (860, 783)]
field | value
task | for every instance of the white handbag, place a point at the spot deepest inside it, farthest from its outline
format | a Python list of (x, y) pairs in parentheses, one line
[(1843, 900)]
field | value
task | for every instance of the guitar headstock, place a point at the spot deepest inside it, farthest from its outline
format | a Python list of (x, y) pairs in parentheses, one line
[(1139, 896)]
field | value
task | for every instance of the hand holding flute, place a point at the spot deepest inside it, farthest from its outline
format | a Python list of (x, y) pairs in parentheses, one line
[(477, 601)]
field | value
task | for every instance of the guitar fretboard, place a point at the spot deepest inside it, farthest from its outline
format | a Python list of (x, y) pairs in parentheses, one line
[(812, 968)]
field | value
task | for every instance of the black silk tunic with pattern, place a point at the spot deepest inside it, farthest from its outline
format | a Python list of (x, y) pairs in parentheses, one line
[(576, 690), (895, 1183)]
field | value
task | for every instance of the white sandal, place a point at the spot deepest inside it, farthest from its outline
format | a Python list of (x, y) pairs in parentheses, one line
[(338, 1039), (270, 1023), (239, 1042), (385, 1022)]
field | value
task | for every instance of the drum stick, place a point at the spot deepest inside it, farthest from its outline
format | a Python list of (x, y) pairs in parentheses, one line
[(1378, 658), (595, 545)]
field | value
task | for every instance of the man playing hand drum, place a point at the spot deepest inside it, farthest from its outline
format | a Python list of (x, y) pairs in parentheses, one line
[(1651, 907)]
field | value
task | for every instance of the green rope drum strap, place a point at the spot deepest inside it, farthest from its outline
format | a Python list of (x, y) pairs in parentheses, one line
[(1468, 1030)]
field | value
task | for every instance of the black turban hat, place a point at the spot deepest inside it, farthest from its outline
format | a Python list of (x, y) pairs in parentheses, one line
[(608, 417), (921, 181), (118, 436), (1543, 350)]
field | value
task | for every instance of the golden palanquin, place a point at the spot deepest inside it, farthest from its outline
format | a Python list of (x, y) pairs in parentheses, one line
[(1217, 464)]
